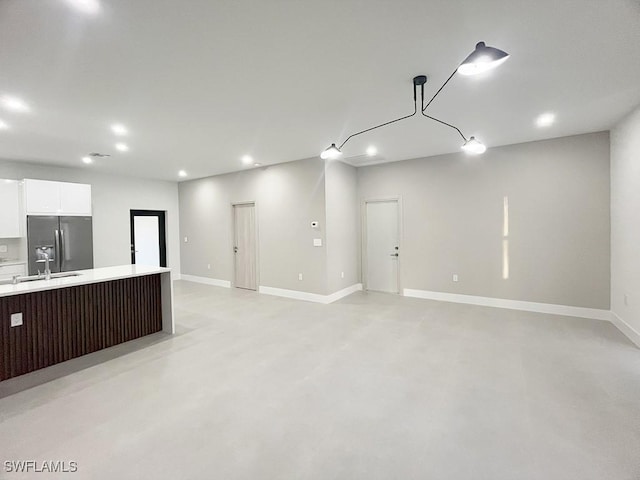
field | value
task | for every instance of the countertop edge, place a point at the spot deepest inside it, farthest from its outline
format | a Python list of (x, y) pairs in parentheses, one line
[(86, 277)]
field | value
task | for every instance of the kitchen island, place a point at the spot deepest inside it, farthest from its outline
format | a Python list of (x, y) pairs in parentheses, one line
[(44, 322)]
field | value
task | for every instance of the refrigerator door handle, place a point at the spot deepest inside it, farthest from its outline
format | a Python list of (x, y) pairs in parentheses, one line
[(61, 250), (57, 247)]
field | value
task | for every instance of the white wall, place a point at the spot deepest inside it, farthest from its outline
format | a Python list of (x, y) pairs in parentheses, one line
[(625, 224), (558, 194), (343, 252), (288, 197), (113, 197)]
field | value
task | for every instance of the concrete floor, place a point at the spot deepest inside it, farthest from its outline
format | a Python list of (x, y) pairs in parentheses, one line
[(372, 387)]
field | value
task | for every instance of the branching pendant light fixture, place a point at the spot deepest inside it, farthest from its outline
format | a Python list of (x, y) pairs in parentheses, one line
[(482, 59)]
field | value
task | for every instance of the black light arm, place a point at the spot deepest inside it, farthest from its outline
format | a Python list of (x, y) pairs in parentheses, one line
[(445, 123), (424, 107), (439, 90), (419, 80)]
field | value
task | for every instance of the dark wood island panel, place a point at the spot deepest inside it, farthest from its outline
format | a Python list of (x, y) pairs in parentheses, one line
[(65, 323)]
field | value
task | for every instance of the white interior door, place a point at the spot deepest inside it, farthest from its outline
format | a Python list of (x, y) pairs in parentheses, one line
[(147, 240), (382, 247), (244, 246)]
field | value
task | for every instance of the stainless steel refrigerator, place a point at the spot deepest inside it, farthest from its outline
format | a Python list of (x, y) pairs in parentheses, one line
[(68, 241)]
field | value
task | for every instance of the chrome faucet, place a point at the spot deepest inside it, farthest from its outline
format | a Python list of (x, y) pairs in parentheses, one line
[(15, 279), (47, 268)]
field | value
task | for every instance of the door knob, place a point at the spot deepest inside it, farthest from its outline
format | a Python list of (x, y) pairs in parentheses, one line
[(235, 249), (394, 255)]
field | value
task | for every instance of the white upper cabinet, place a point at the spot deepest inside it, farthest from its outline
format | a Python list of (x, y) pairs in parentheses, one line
[(10, 218), (43, 197), (75, 199)]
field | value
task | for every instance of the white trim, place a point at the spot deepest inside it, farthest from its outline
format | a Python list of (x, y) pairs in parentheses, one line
[(207, 281), (295, 294), (310, 297), (566, 310), (630, 332), (356, 287)]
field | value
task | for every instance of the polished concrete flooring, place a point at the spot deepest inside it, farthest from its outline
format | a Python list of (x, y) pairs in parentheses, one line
[(372, 387)]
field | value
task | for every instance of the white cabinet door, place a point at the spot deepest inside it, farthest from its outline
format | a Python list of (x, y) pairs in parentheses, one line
[(42, 197), (57, 198), (75, 199), (10, 209)]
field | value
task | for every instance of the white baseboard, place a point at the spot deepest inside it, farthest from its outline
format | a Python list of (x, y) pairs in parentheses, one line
[(206, 280), (310, 297), (335, 296), (630, 332), (566, 310)]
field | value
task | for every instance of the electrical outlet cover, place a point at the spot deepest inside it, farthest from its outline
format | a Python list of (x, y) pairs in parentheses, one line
[(16, 319)]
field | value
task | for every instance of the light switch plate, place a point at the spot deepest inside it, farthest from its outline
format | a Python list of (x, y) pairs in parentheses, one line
[(16, 319), (317, 242), (3, 249)]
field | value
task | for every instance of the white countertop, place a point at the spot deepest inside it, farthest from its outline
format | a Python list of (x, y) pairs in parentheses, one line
[(95, 275)]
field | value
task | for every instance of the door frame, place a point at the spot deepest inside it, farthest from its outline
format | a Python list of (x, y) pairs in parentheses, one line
[(363, 229), (162, 227), (233, 241)]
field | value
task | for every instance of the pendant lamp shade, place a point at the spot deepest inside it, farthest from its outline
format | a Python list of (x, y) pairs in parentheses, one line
[(483, 58)]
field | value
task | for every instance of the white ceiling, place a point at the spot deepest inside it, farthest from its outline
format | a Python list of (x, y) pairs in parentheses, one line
[(200, 83)]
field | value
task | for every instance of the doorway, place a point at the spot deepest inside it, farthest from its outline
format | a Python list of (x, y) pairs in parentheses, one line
[(382, 246), (148, 238), (244, 246)]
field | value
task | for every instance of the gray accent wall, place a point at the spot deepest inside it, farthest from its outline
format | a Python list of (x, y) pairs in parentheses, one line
[(343, 252), (112, 198), (625, 221), (288, 197), (559, 221)]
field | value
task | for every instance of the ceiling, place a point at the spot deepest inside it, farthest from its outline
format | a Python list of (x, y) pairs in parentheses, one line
[(201, 83)]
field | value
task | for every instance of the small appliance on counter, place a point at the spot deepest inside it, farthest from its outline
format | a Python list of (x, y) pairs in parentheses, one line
[(68, 242)]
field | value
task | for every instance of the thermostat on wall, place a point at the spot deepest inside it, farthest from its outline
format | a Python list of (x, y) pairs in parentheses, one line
[(315, 224)]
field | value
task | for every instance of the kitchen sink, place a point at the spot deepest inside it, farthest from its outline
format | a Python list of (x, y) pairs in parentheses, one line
[(65, 274), (34, 278)]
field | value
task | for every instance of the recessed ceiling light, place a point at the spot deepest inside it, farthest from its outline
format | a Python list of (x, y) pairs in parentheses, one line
[(372, 151), (3, 125), (119, 129), (87, 160), (182, 173), (247, 160), (122, 147), (546, 120), (85, 6), (14, 104)]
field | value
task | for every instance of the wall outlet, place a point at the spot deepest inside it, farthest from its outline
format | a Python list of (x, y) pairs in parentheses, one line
[(299, 276), (455, 277), (341, 274), (16, 319), (186, 239), (317, 242), (3, 249), (208, 266), (626, 299)]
